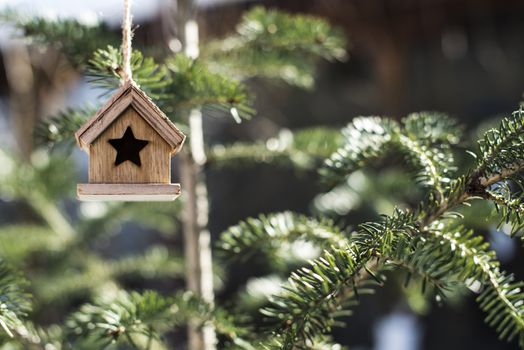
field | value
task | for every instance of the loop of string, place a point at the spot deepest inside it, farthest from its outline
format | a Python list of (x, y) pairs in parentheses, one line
[(127, 75)]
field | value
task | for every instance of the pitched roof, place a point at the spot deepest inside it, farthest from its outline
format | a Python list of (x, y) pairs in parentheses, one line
[(130, 95)]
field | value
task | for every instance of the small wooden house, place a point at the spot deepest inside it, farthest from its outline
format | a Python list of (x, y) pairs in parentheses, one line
[(130, 142)]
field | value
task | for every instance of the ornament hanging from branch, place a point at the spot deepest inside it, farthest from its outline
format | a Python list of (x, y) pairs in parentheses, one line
[(130, 142)]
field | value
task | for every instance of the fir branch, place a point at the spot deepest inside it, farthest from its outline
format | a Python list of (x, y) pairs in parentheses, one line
[(502, 150), (105, 69), (365, 140), (319, 343), (417, 257), (44, 179), (501, 299), (18, 242), (59, 130), (316, 295), (459, 191), (426, 159), (500, 161), (136, 317), (40, 183), (29, 336), (271, 233), (509, 204), (15, 302), (271, 30), (92, 273), (424, 139), (155, 262), (432, 128), (303, 149), (194, 85), (76, 40), (159, 216), (273, 44), (191, 307), (446, 256), (121, 319)]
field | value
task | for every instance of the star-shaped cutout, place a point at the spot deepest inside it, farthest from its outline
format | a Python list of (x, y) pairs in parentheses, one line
[(128, 148)]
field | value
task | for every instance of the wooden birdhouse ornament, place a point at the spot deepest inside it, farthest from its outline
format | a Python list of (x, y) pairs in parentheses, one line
[(130, 142)]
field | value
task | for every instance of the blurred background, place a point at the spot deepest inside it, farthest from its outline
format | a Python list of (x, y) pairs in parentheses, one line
[(462, 57)]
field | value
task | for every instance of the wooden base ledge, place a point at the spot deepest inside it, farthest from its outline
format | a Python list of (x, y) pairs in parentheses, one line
[(128, 192)]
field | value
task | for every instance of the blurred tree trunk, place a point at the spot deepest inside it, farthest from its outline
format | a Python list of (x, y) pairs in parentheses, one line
[(37, 82), (23, 107), (197, 239)]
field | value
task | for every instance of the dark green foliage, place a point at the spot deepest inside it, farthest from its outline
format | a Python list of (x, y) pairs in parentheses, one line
[(509, 204), (377, 190), (76, 40), (183, 83), (318, 294), (302, 149), (464, 258), (69, 241), (319, 343), (122, 319), (271, 235), (424, 139), (502, 149), (365, 139), (502, 302), (428, 243), (194, 85), (47, 177), (70, 270), (277, 45), (500, 159), (93, 274), (32, 337), (104, 70), (15, 302), (424, 237), (315, 296), (177, 86), (160, 216), (18, 242), (60, 129), (428, 137), (140, 318)]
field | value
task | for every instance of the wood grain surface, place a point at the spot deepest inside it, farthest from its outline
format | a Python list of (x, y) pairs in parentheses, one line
[(128, 192), (155, 156)]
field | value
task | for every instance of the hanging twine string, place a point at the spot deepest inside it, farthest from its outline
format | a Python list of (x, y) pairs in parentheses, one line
[(127, 75)]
